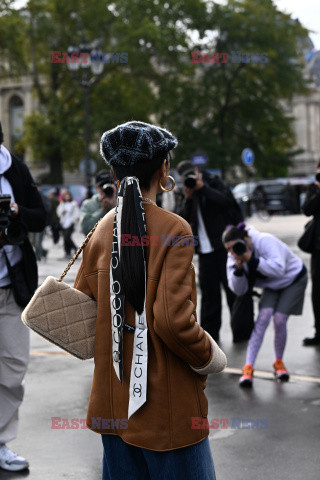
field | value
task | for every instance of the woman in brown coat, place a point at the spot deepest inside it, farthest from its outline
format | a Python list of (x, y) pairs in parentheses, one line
[(151, 355)]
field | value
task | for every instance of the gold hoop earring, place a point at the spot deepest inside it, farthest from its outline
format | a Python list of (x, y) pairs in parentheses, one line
[(168, 189), (118, 184)]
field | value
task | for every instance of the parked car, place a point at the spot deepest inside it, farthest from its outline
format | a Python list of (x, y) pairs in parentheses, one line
[(277, 195)]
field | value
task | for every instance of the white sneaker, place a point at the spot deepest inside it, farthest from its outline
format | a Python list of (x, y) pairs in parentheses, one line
[(11, 461)]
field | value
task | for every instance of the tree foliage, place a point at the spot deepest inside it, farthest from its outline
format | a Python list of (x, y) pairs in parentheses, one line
[(220, 108)]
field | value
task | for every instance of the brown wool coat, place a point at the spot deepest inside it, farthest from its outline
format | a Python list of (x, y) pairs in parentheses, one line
[(175, 392)]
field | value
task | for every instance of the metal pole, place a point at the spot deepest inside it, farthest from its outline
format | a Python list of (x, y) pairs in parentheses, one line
[(248, 193), (87, 134)]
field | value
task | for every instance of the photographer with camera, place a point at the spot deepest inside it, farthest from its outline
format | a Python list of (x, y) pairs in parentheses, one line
[(209, 206), (21, 211), (96, 207), (262, 260), (310, 207)]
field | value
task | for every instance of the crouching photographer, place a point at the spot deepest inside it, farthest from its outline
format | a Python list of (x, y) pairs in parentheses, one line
[(21, 210)]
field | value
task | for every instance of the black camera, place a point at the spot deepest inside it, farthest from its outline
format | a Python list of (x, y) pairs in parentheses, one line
[(318, 176), (13, 232), (190, 180), (239, 247), (107, 189)]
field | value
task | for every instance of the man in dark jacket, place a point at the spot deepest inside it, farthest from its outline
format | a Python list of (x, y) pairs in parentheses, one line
[(17, 257), (207, 208), (310, 207)]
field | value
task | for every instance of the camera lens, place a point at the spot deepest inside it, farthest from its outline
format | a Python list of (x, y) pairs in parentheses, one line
[(239, 247), (190, 181), (107, 189)]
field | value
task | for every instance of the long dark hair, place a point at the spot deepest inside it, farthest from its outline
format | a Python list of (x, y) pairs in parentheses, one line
[(132, 276)]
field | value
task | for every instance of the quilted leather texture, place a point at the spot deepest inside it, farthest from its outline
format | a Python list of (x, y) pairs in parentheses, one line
[(64, 316)]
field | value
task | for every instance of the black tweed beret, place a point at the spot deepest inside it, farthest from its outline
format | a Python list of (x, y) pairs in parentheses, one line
[(133, 142)]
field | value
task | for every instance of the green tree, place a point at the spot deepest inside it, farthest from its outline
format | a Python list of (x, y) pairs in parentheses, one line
[(225, 107), (147, 31), (220, 108)]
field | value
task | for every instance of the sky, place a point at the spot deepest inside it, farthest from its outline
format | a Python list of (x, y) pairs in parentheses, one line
[(308, 12)]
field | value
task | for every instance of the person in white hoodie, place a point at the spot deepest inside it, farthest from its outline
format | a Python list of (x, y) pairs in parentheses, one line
[(262, 260), (68, 213)]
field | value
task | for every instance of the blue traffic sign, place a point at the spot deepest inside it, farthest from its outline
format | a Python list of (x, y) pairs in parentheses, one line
[(247, 156)]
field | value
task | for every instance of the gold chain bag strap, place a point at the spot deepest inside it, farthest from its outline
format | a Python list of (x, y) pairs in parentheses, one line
[(63, 315)]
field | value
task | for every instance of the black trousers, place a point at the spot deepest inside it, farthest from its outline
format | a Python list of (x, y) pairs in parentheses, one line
[(315, 276), (212, 273), (68, 242)]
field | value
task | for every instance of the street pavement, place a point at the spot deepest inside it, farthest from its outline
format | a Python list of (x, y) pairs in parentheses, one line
[(283, 445)]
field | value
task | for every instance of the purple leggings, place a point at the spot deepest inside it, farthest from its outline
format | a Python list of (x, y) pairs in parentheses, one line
[(256, 338)]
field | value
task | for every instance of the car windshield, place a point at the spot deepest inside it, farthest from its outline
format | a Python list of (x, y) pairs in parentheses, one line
[(242, 189), (272, 188)]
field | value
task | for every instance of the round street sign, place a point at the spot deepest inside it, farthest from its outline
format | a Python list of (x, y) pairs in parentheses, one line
[(247, 156)]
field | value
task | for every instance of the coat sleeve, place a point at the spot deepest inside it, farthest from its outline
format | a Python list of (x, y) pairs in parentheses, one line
[(220, 198), (32, 213), (60, 210), (185, 211), (175, 319), (237, 280), (311, 205), (271, 260)]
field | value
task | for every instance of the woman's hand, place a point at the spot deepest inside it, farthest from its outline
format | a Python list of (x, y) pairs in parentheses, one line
[(199, 181), (241, 259), (14, 208), (239, 263)]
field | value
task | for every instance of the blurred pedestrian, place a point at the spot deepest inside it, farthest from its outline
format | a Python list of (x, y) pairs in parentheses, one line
[(22, 211), (151, 365), (169, 201), (263, 260), (310, 207), (290, 198), (54, 219), (207, 208), (96, 207), (36, 238), (68, 213)]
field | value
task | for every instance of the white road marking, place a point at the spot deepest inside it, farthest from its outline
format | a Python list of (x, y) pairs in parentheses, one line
[(264, 374)]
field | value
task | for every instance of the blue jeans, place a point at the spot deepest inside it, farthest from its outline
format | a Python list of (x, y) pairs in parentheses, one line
[(126, 462)]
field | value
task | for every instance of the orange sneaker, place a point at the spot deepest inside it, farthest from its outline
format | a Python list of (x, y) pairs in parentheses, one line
[(247, 376), (280, 371)]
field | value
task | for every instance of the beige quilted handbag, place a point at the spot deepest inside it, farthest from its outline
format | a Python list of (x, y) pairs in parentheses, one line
[(63, 315)]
